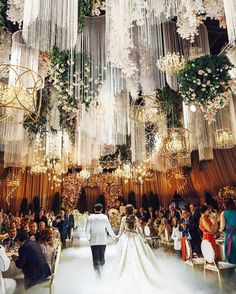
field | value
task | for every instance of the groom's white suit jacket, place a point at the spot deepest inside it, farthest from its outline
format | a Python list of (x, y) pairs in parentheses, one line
[(96, 229)]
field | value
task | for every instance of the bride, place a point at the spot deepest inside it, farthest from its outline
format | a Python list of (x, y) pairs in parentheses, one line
[(136, 267)]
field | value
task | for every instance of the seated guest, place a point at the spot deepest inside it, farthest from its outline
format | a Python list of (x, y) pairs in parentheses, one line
[(26, 228), (10, 242), (153, 230), (47, 245), (7, 286), (141, 213), (208, 227), (33, 231), (41, 227), (164, 229), (31, 260), (41, 218)]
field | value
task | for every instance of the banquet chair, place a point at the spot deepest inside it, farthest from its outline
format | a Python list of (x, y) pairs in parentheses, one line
[(167, 241), (48, 285), (151, 240), (190, 260), (210, 263)]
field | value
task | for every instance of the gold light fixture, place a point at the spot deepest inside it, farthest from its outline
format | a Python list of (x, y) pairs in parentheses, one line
[(172, 63), (176, 143), (224, 139), (22, 91), (146, 111)]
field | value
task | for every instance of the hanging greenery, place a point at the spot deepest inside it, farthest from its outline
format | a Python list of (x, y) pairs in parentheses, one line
[(3, 7), (41, 126), (85, 9), (68, 105), (205, 81), (171, 103)]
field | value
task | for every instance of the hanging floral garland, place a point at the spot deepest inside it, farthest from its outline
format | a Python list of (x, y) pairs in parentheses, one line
[(108, 185), (99, 7), (68, 105), (205, 81)]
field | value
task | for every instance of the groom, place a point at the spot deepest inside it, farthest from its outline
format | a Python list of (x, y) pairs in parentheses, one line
[(96, 229)]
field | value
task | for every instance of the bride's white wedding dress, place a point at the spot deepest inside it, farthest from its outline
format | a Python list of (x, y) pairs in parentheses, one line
[(136, 270)]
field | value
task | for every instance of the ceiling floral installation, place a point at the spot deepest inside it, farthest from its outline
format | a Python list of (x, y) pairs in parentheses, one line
[(108, 185), (102, 60), (205, 81)]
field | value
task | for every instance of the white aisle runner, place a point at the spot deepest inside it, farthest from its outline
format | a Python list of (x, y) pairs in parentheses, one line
[(76, 275)]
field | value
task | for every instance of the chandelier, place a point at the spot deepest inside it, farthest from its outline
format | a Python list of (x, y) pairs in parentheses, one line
[(141, 172), (224, 139), (22, 92), (146, 111), (84, 174), (172, 63), (176, 143)]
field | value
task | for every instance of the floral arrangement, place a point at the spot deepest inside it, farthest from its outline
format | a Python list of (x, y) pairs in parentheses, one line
[(205, 81), (15, 11), (85, 9), (99, 7), (227, 192), (68, 106), (107, 183)]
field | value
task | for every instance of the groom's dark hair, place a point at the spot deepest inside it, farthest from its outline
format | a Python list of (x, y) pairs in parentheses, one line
[(98, 207)]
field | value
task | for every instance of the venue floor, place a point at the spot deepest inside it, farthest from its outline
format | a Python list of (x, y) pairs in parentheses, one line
[(76, 275)]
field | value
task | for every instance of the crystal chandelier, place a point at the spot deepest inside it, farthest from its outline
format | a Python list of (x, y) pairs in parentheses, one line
[(172, 63), (23, 92), (84, 174), (224, 139), (141, 172)]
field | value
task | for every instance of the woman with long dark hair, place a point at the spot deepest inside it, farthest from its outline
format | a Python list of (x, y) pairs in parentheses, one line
[(228, 223)]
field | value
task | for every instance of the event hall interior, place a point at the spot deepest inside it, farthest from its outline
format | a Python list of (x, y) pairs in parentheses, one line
[(117, 146)]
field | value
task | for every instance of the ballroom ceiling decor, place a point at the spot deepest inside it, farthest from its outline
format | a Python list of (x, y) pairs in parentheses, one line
[(22, 93), (224, 139), (205, 81)]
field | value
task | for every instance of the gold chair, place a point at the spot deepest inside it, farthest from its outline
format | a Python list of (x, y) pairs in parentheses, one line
[(190, 260), (210, 263)]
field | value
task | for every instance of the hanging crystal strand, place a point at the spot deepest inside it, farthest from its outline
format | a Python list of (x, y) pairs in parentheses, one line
[(52, 22), (230, 14)]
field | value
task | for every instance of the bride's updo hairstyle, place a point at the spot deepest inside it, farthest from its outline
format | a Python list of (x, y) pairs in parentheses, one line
[(130, 217)]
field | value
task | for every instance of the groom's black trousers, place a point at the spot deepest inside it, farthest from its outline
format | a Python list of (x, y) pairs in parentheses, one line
[(98, 252)]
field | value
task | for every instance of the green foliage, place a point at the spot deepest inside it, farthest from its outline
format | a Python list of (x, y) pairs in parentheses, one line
[(171, 103), (204, 78), (40, 127), (3, 7), (85, 9), (60, 62)]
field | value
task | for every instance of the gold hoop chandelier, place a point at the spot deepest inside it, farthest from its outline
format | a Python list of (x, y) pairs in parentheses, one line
[(146, 111), (224, 139), (22, 92)]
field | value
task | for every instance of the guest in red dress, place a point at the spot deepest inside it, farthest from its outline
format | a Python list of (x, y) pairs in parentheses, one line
[(208, 227)]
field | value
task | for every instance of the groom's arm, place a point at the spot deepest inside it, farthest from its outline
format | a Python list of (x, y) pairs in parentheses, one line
[(109, 229), (87, 229)]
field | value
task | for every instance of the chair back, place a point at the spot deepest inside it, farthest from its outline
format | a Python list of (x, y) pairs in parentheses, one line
[(188, 249), (147, 231), (208, 251), (167, 235)]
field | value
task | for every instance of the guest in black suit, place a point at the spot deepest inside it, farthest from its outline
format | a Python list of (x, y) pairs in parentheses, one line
[(12, 239), (150, 214), (31, 260), (194, 229), (62, 224), (141, 213), (41, 218), (34, 235), (71, 223)]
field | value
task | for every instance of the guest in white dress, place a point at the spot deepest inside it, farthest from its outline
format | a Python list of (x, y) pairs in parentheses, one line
[(48, 245), (7, 286)]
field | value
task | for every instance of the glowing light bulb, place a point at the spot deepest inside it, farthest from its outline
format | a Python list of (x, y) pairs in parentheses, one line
[(193, 108)]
